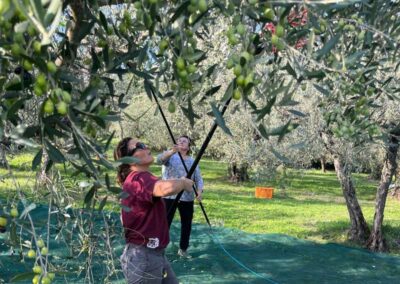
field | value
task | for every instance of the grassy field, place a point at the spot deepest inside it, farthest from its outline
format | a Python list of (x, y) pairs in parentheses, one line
[(310, 207)]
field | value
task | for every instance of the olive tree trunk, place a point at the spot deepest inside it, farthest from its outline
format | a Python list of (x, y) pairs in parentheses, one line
[(3, 156), (323, 161), (376, 241), (42, 177), (359, 230), (238, 173)]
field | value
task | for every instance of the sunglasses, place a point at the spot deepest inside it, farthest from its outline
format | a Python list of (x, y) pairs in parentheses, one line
[(139, 145)]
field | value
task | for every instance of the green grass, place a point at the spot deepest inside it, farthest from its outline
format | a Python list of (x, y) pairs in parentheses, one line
[(310, 207)]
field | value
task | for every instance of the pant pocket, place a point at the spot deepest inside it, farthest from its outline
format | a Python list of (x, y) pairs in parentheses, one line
[(134, 263)]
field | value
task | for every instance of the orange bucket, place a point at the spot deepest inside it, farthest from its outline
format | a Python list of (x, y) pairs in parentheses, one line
[(264, 192)]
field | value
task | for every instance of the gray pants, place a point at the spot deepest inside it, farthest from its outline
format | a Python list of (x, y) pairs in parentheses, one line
[(148, 266)]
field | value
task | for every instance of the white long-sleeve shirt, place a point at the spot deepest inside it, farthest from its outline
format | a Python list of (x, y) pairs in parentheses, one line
[(172, 168)]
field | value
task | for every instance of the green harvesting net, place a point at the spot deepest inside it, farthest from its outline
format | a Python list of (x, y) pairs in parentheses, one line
[(218, 256)]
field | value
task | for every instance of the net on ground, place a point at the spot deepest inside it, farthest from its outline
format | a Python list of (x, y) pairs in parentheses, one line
[(223, 256)]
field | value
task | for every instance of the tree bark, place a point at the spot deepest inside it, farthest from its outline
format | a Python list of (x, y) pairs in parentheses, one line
[(5, 145), (323, 169), (42, 174), (376, 241), (359, 230), (238, 173), (3, 156), (80, 15)]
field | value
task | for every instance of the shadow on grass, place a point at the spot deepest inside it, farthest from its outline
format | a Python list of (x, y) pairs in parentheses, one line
[(337, 230), (330, 230), (329, 184), (306, 186), (288, 200)]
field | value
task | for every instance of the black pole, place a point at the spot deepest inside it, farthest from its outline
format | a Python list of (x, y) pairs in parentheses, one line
[(181, 158), (201, 152)]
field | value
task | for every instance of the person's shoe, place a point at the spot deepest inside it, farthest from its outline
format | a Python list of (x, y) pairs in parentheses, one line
[(184, 254)]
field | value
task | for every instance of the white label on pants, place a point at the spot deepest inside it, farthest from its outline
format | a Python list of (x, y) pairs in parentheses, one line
[(153, 243)]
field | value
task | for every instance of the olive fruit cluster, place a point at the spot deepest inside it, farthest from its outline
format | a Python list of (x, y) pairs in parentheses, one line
[(241, 66), (232, 36), (350, 27), (142, 14), (276, 38), (46, 279), (269, 13), (195, 8), (40, 277), (163, 45), (59, 99), (125, 23), (184, 69), (3, 224)]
